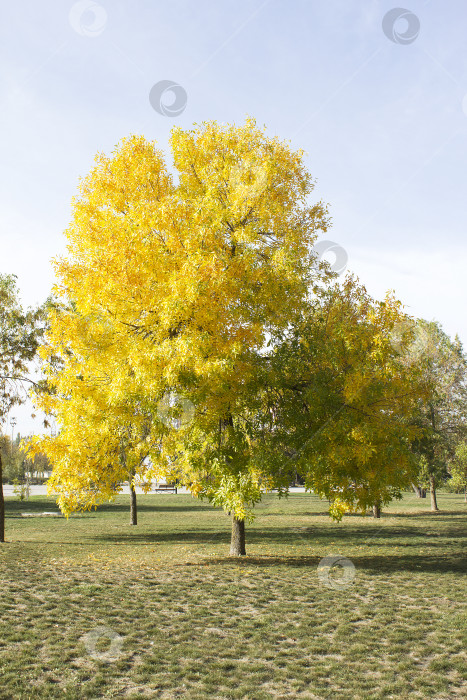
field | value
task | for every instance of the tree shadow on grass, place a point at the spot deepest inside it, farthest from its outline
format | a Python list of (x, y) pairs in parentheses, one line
[(320, 535), (198, 536), (32, 506), (423, 514), (262, 512), (299, 514), (373, 565), (15, 508), (195, 506)]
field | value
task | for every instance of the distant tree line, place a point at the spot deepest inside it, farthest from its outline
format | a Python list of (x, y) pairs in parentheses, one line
[(18, 466)]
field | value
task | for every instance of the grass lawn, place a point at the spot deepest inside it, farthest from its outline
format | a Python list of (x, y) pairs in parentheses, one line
[(183, 620)]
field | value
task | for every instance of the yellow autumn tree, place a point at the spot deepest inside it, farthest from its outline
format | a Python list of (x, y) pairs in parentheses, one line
[(106, 430), (171, 284)]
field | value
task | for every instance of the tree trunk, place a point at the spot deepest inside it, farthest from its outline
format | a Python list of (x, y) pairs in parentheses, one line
[(434, 505), (133, 509), (237, 543), (465, 494), (2, 504), (421, 492), (417, 490), (377, 510)]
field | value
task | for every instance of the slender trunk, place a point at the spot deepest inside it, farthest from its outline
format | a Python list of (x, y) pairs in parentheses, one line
[(434, 505), (421, 492), (377, 510), (237, 543), (133, 509), (465, 494), (2, 504)]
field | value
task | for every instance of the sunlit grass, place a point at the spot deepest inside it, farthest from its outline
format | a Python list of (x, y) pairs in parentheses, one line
[(190, 622)]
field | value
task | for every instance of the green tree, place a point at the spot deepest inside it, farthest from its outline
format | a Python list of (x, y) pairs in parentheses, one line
[(20, 333), (337, 401), (12, 460), (458, 469), (442, 415)]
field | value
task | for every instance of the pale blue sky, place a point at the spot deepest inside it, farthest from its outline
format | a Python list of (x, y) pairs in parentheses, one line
[(384, 124)]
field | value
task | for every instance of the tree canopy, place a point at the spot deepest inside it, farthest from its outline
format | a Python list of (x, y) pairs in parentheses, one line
[(205, 285), (173, 287), (337, 399), (442, 416), (20, 332)]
